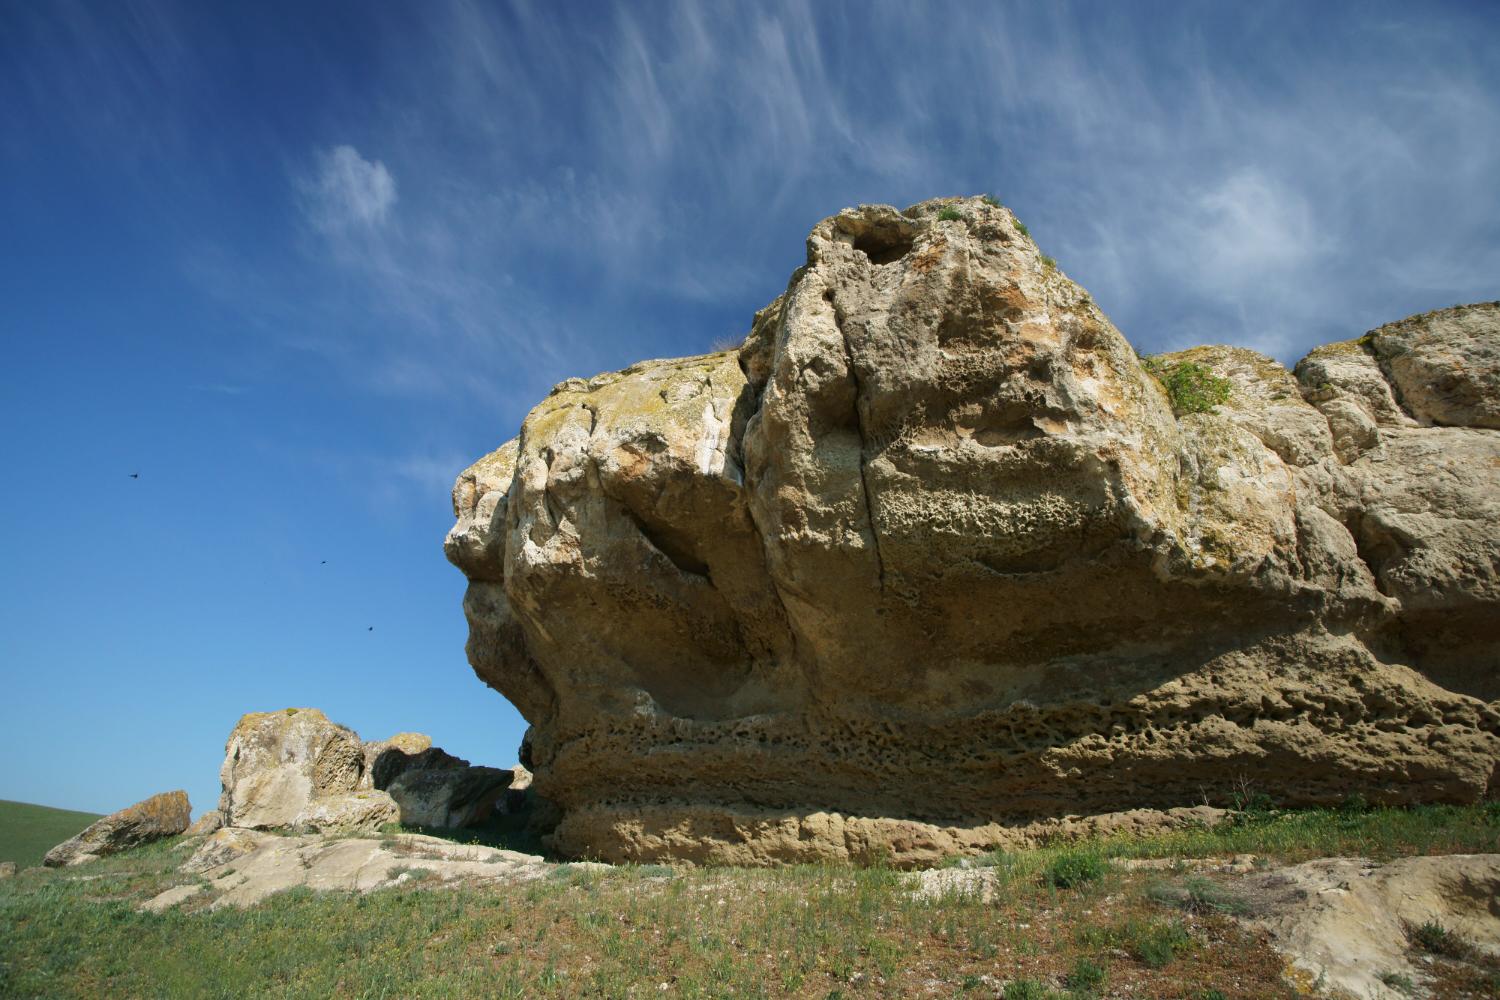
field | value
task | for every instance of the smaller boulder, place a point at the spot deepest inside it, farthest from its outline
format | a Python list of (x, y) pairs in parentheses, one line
[(449, 797), (223, 846), (387, 760), (515, 796), (276, 763), (206, 824), (163, 815), (7, 869), (348, 812)]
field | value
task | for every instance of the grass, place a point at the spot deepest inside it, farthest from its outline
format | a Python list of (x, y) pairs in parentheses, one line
[(1433, 937), (950, 214), (1073, 868), (805, 932), (27, 832), (1197, 894), (1086, 977), (1453, 966), (1157, 943), (1192, 387), (1399, 981)]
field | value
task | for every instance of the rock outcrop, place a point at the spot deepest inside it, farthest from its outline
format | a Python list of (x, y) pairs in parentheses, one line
[(163, 815), (205, 824), (277, 763), (295, 770), (344, 812), (1343, 922), (933, 554), (240, 868)]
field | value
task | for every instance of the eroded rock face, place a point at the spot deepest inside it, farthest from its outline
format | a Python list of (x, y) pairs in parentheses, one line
[(930, 556)]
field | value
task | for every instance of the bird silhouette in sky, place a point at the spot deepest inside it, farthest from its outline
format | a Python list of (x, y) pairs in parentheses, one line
[(370, 629), (135, 475), (324, 563)]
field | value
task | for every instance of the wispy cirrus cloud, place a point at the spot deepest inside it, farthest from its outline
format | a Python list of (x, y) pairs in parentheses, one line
[(534, 190)]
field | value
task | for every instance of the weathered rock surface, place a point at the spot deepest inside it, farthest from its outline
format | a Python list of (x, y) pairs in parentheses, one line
[(163, 815), (345, 812), (223, 846), (1342, 921), (930, 556), (7, 869), (295, 770), (275, 763), (206, 824), (272, 864)]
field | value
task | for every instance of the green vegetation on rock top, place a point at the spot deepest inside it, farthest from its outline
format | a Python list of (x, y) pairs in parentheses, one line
[(1192, 387)]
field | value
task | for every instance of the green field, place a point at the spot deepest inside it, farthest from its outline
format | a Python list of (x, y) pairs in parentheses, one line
[(27, 832)]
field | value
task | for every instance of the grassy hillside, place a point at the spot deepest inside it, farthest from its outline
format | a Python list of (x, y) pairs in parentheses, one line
[(27, 832), (1067, 922)]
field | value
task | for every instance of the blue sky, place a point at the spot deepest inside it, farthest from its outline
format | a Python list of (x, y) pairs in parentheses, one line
[(298, 264)]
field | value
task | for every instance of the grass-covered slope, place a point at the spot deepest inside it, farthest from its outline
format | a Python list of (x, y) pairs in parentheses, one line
[(28, 831), (1068, 922)]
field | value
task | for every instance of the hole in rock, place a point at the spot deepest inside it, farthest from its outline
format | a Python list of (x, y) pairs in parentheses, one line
[(883, 248), (999, 436)]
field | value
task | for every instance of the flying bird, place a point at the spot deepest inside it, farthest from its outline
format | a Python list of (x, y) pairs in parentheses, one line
[(135, 475), (370, 629), (324, 562)]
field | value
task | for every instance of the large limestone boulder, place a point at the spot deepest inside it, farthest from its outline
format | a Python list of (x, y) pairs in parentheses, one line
[(163, 815), (275, 763), (295, 770), (933, 555)]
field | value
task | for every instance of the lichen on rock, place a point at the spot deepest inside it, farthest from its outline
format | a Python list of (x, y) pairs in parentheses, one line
[(931, 558)]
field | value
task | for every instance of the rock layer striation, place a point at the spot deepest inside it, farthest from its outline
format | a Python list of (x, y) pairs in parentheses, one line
[(933, 555)]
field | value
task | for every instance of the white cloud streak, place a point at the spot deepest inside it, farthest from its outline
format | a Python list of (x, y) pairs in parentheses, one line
[(347, 190), (559, 172)]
